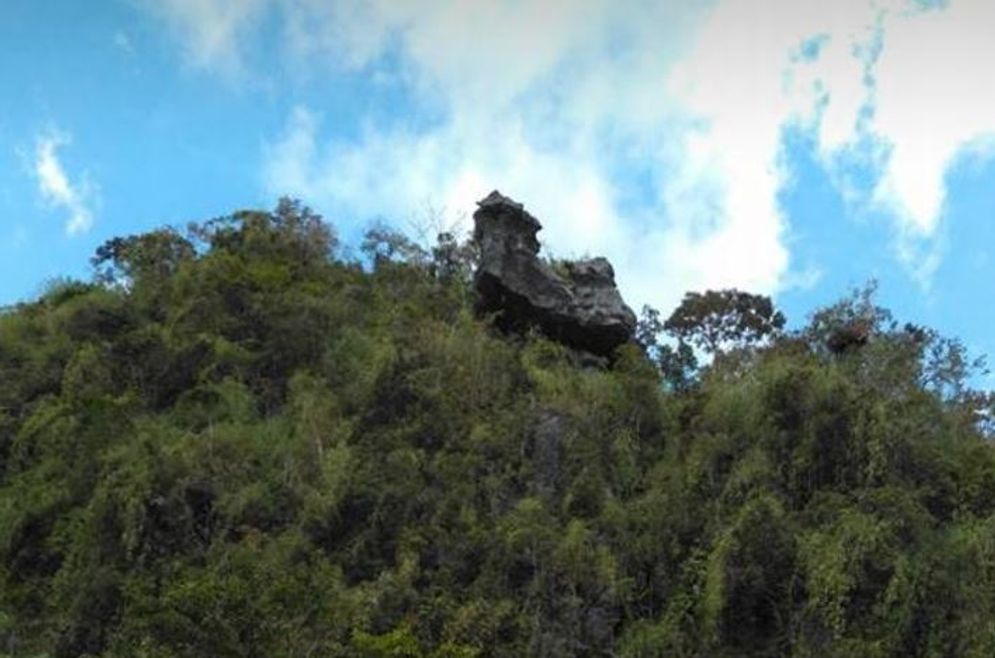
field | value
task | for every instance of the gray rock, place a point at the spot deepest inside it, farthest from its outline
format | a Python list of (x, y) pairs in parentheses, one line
[(545, 448), (581, 308)]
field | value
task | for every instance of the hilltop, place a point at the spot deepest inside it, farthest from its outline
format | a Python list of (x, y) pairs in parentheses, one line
[(236, 441)]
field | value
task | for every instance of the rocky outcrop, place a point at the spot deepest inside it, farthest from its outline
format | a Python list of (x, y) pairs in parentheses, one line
[(544, 448), (580, 306)]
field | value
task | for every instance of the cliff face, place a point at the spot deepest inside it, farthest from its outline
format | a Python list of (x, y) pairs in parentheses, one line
[(582, 309)]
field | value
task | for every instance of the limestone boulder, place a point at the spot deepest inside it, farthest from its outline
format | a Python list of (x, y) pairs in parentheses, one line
[(579, 305)]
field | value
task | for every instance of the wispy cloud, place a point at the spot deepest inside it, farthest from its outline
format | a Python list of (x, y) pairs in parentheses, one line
[(564, 105), (932, 97), (55, 187), (650, 131), (901, 91), (213, 32), (123, 43)]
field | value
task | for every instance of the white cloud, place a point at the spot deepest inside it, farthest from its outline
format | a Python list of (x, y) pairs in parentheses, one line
[(933, 97), (904, 90), (556, 104), (561, 103), (55, 187), (213, 32), (545, 101)]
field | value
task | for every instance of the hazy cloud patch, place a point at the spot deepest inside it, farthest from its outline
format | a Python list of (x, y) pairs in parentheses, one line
[(55, 186), (215, 34)]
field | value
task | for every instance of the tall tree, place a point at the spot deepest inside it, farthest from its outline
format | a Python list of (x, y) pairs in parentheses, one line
[(717, 320)]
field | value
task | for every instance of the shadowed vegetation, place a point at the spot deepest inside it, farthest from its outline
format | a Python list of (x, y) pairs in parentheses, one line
[(235, 442)]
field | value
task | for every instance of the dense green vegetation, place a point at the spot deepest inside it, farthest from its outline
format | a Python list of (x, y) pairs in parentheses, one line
[(237, 442)]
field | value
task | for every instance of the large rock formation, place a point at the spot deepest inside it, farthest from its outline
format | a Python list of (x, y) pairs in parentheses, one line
[(581, 307)]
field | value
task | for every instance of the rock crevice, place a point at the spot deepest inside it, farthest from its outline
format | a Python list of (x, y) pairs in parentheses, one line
[(580, 307)]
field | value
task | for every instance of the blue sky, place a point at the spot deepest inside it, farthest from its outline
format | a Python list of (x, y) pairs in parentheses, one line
[(792, 147)]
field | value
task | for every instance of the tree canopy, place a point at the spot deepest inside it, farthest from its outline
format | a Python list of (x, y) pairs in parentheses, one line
[(235, 441), (719, 318)]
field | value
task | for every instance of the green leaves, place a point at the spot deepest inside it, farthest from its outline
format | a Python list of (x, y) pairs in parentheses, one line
[(717, 319), (148, 259), (235, 443)]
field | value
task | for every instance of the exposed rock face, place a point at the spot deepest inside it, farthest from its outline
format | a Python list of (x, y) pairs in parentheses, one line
[(581, 308), (545, 449)]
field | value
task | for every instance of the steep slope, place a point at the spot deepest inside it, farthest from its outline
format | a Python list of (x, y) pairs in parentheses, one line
[(237, 443)]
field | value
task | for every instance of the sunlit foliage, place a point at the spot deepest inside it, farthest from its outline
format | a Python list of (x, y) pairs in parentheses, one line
[(236, 441)]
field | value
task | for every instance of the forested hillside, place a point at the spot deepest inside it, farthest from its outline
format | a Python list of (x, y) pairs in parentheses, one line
[(239, 441)]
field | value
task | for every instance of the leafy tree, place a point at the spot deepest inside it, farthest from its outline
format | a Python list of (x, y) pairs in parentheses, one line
[(382, 244), (292, 233), (717, 319), (850, 322), (235, 442), (676, 362), (452, 259), (142, 259)]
